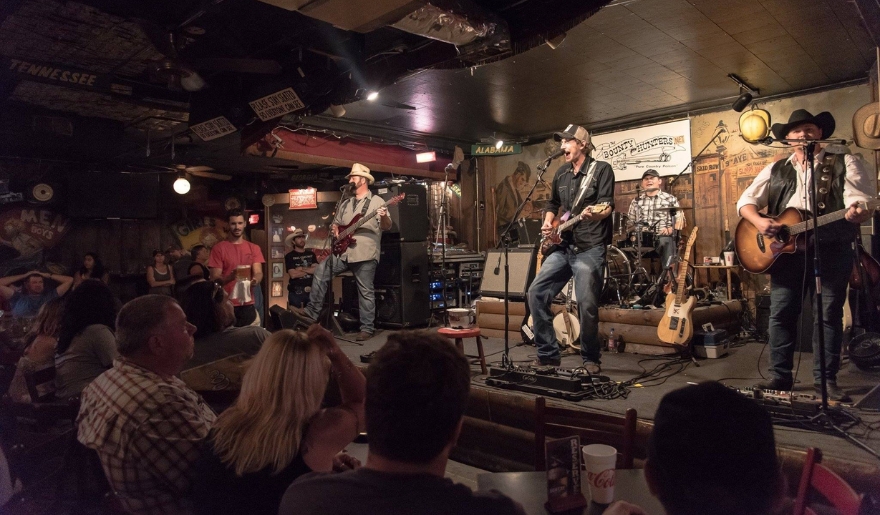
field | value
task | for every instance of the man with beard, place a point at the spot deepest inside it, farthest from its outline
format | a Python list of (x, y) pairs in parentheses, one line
[(361, 258), (226, 257), (580, 183)]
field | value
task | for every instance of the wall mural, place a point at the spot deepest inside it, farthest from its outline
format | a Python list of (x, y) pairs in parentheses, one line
[(25, 232)]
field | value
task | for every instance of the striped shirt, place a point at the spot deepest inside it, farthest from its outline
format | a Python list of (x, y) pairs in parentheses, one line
[(147, 430), (645, 209)]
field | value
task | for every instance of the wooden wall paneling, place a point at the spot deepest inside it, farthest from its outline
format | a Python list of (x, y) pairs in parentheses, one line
[(708, 215)]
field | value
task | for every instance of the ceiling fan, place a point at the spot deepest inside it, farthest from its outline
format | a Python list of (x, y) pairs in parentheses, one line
[(197, 171)]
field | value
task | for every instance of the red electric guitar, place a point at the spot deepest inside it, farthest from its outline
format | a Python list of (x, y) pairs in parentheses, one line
[(345, 238)]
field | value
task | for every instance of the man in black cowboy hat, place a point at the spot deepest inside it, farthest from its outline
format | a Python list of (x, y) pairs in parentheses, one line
[(786, 184)]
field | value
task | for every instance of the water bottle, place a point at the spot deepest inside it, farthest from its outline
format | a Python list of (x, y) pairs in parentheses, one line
[(612, 341)]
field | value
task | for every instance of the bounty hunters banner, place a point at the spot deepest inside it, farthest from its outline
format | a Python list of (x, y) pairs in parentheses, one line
[(665, 148)]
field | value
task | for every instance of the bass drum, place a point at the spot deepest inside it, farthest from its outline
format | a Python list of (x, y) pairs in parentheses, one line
[(618, 270)]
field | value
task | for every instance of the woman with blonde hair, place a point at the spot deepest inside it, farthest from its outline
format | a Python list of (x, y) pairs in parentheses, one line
[(277, 430), (39, 351)]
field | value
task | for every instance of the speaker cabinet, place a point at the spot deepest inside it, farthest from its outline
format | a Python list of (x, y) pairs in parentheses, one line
[(522, 270), (403, 263), (409, 217), (402, 306)]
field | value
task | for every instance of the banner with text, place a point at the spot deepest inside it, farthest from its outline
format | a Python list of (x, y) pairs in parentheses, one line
[(665, 148)]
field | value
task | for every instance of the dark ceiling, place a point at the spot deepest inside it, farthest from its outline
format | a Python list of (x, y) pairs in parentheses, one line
[(620, 63)]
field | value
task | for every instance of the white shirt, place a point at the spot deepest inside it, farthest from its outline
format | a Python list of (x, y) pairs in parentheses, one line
[(856, 186)]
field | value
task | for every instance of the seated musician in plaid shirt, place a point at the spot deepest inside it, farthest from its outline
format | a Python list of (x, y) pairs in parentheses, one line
[(651, 207), (143, 421)]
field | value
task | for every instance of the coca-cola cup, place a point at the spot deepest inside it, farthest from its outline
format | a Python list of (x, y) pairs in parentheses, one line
[(600, 461)]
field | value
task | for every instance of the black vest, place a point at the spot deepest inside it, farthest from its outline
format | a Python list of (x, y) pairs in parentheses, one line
[(783, 183)]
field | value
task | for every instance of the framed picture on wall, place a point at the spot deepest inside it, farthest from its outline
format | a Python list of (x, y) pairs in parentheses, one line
[(277, 289), (277, 270), (277, 253)]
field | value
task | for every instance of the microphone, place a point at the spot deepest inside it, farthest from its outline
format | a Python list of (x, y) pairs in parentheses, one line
[(497, 270), (450, 167), (346, 188), (556, 154)]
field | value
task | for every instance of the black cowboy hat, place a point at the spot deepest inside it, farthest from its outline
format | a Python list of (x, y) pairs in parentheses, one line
[(823, 120)]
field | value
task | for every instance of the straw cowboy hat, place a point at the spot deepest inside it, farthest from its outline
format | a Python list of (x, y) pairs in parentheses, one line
[(823, 120), (361, 171), (288, 240), (866, 126)]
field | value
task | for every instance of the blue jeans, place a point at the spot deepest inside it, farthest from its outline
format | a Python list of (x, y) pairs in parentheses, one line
[(587, 269), (363, 271), (665, 248), (786, 300)]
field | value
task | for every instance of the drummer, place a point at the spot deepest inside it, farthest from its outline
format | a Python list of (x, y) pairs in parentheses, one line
[(654, 210)]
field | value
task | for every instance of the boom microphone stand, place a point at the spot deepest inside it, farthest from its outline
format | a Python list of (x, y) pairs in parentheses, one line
[(325, 317), (505, 241)]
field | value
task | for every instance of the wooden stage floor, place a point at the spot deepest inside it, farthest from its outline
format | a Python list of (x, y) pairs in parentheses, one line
[(742, 367)]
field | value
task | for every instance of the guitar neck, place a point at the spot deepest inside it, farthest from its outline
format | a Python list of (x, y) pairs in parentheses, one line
[(806, 225), (681, 281), (352, 228)]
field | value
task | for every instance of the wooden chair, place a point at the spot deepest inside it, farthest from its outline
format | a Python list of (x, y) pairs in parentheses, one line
[(828, 484), (558, 422)]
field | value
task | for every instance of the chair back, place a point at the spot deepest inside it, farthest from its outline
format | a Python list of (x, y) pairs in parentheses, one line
[(40, 382), (559, 422), (826, 482)]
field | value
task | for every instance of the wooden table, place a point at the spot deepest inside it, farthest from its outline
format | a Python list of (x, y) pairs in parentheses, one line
[(727, 268), (530, 490)]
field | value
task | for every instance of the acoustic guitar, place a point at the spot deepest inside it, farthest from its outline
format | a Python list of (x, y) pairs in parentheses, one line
[(346, 239), (675, 326), (550, 243), (757, 253)]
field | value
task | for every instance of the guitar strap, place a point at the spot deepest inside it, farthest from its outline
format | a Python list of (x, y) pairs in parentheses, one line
[(584, 185), (366, 205)]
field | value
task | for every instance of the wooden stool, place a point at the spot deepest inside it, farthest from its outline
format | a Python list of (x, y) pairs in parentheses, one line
[(459, 334)]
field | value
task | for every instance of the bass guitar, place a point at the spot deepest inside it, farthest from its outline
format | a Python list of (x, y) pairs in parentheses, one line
[(675, 326), (757, 254), (550, 243), (345, 238)]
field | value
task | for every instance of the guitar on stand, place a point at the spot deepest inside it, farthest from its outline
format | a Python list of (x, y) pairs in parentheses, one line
[(566, 324), (675, 326)]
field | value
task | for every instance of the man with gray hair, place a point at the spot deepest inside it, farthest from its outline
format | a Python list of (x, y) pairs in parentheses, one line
[(144, 422)]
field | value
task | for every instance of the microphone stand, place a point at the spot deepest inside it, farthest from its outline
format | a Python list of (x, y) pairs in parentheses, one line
[(441, 233), (325, 317), (505, 242)]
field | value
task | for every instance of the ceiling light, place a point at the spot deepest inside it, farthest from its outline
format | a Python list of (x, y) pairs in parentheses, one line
[(742, 102), (426, 157), (372, 95), (554, 43), (747, 93), (499, 143), (181, 185)]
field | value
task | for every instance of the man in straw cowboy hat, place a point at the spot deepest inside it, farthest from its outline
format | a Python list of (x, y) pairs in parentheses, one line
[(785, 184), (361, 258), (300, 265)]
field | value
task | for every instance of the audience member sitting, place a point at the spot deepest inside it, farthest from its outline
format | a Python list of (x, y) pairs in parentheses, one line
[(199, 263), (723, 444), (417, 390), (207, 307), (92, 268), (86, 344), (33, 294), (160, 276), (277, 430), (145, 423), (39, 351)]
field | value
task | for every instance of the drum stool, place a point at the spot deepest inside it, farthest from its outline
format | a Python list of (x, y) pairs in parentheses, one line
[(459, 334)]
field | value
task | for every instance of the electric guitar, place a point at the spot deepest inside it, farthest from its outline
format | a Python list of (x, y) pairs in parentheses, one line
[(675, 326), (345, 238), (550, 243), (757, 254)]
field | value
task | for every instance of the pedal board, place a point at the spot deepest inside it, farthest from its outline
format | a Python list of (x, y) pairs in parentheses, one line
[(552, 382)]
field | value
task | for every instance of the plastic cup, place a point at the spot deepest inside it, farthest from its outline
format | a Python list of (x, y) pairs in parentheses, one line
[(728, 257), (600, 461), (243, 272)]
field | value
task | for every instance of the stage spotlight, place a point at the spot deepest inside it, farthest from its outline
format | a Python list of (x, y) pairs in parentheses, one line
[(754, 126), (742, 102), (555, 42), (499, 143), (372, 95)]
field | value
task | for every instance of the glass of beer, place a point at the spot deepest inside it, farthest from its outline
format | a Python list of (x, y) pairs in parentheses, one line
[(243, 272)]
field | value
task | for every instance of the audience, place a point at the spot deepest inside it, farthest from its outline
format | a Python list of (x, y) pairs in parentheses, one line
[(33, 294), (207, 307), (39, 351), (160, 276), (92, 268), (723, 444), (199, 262), (277, 430), (179, 260), (417, 390), (144, 422), (86, 343)]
